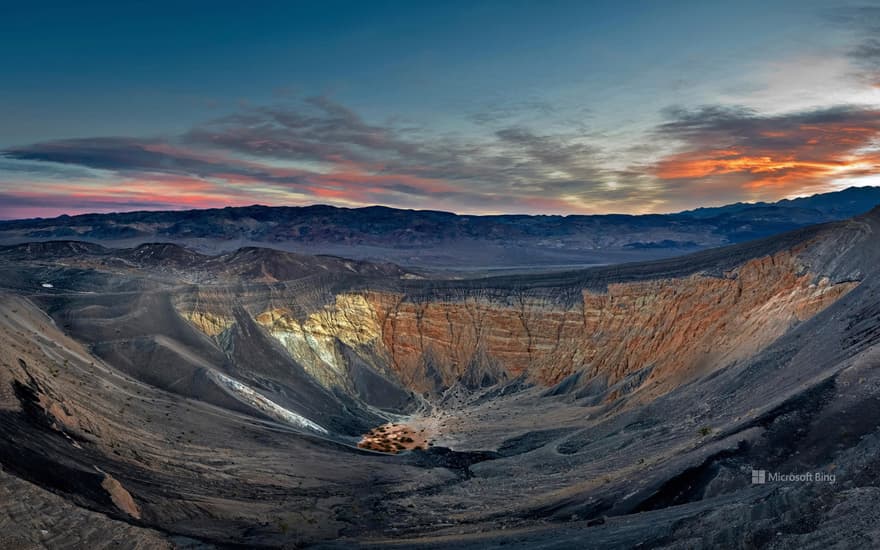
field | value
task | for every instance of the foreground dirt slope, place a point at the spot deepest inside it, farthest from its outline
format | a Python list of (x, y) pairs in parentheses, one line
[(71, 423), (604, 408), (33, 518)]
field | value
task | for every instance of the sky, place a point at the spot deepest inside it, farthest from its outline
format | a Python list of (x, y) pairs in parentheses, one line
[(553, 107)]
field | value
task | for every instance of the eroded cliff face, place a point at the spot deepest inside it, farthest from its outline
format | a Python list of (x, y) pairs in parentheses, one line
[(682, 327), (209, 323), (315, 342), (676, 328)]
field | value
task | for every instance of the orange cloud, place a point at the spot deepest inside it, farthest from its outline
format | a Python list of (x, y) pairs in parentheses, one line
[(701, 164), (773, 156)]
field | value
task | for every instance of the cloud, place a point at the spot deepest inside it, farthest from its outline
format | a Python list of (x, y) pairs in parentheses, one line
[(51, 199), (16, 205), (321, 149), (511, 158), (863, 22), (121, 154), (504, 112), (318, 150), (735, 150), (41, 169), (317, 130)]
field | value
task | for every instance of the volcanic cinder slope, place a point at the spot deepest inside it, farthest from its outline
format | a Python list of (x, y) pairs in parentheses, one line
[(190, 400)]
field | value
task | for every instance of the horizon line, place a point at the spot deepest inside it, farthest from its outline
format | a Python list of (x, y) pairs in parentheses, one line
[(459, 214)]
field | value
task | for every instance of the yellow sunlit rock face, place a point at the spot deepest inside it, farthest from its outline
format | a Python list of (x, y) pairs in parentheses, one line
[(210, 324)]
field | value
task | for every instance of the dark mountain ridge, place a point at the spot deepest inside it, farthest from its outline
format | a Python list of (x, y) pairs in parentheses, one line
[(450, 241)]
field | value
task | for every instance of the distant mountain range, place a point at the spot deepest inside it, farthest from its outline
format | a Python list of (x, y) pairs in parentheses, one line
[(839, 204), (433, 239)]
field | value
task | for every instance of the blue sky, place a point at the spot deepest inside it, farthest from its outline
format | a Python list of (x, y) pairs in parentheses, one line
[(571, 107)]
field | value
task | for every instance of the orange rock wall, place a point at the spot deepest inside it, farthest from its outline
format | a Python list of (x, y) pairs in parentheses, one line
[(680, 326)]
